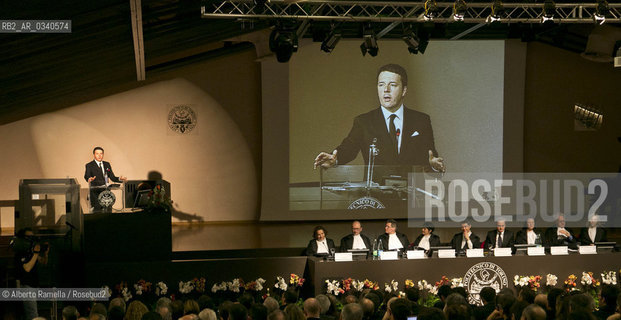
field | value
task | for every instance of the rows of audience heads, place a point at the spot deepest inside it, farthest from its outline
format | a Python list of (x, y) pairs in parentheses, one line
[(453, 304)]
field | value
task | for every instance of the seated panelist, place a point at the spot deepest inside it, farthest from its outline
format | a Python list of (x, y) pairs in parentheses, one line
[(320, 245)]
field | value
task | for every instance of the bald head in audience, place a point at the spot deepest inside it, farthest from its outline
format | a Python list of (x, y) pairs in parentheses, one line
[(312, 309), (351, 311), (271, 304), (368, 308), (533, 312)]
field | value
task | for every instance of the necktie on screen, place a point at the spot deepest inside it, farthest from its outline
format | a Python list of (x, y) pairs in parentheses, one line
[(499, 242), (393, 131)]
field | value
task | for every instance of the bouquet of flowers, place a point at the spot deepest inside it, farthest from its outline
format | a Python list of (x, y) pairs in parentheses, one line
[(357, 285), (334, 287), (609, 277), (280, 284), (347, 284), (551, 280), (142, 287), (256, 285), (296, 280), (219, 287), (570, 283), (443, 281), (393, 286), (589, 281), (370, 284), (158, 200), (161, 289)]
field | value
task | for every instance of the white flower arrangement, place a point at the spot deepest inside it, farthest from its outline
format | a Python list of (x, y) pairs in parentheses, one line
[(609, 277), (402, 294), (233, 285), (280, 284), (586, 279), (260, 282), (423, 285), (185, 287), (126, 294), (520, 281), (551, 280), (219, 287), (456, 282), (161, 289), (392, 286), (334, 287), (138, 289), (357, 285), (107, 290)]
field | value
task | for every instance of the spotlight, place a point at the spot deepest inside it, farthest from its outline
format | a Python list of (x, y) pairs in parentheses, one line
[(549, 9), (459, 10), (331, 40), (431, 9), (415, 42), (601, 10), (369, 45), (498, 10), (283, 42)]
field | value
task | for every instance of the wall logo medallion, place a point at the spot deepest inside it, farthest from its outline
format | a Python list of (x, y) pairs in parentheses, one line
[(366, 203), (481, 275), (106, 199), (182, 119)]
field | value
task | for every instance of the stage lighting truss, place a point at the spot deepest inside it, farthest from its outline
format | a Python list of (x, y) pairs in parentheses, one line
[(369, 43), (392, 11), (329, 43)]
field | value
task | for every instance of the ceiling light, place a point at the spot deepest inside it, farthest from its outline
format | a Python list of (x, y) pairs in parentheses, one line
[(369, 45)]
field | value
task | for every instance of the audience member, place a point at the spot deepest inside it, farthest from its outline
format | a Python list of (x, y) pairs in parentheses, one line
[(257, 312), (533, 312), (70, 313), (271, 304), (351, 311), (488, 297), (151, 315), (135, 310), (399, 309), (293, 312), (237, 311), (312, 309), (116, 313), (207, 314), (607, 301), (191, 307), (431, 314)]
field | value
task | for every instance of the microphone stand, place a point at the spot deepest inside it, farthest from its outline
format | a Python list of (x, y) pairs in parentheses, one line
[(373, 152)]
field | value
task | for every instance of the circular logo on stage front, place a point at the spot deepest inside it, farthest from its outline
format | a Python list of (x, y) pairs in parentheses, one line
[(182, 119), (106, 199), (481, 275), (366, 203)]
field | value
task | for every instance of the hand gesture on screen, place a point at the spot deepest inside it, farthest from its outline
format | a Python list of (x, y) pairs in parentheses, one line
[(325, 160), (436, 163), (91, 179)]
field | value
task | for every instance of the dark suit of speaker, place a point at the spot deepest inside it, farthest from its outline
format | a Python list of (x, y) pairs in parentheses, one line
[(348, 242), (553, 239), (416, 139), (94, 170)]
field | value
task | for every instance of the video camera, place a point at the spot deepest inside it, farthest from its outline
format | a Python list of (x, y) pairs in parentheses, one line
[(26, 244)]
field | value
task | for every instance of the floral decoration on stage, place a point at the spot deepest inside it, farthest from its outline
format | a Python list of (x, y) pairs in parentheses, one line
[(392, 286), (570, 283), (296, 280), (609, 277), (531, 282), (142, 287), (551, 280), (256, 285), (281, 284), (444, 280), (334, 287), (159, 202)]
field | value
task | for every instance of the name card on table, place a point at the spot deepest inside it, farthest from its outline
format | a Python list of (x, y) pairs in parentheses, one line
[(389, 255), (536, 251), (474, 253), (416, 254), (446, 253), (502, 252), (343, 256), (559, 250), (587, 250)]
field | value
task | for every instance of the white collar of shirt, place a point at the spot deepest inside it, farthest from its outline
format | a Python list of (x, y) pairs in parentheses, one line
[(592, 232), (99, 163), (322, 246), (398, 121), (394, 242), (358, 242), (463, 239), (424, 242), (531, 236)]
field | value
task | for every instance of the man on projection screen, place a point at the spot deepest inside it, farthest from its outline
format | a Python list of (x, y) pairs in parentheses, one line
[(403, 136)]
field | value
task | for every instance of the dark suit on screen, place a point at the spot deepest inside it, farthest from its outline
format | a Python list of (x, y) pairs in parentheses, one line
[(600, 236), (507, 239), (459, 237), (93, 170), (348, 242), (416, 139), (402, 238), (311, 249)]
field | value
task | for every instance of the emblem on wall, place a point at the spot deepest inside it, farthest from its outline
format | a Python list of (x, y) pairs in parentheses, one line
[(182, 119), (366, 203), (106, 199), (481, 275)]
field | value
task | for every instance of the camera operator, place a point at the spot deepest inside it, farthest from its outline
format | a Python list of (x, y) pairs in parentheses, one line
[(29, 253)]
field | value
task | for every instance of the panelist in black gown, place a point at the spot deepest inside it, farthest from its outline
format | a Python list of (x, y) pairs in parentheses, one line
[(465, 239), (593, 232), (320, 245), (355, 240), (426, 239)]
